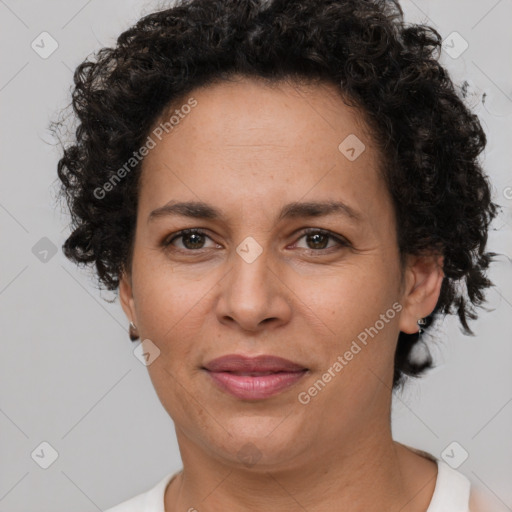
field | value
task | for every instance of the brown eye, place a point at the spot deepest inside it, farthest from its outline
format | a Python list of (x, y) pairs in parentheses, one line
[(318, 239), (192, 239)]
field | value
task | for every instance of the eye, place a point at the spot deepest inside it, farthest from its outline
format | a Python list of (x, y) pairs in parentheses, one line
[(318, 239), (192, 239)]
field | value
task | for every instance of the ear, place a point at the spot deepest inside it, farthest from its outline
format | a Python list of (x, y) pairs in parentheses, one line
[(126, 297), (423, 279)]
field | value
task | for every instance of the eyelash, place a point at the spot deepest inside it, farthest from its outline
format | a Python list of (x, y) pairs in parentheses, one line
[(342, 242)]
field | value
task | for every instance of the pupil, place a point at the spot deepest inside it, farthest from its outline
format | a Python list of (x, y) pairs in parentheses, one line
[(194, 245), (316, 237)]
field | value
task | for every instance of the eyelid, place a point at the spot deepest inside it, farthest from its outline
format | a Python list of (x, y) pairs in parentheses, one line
[(340, 240), (178, 234)]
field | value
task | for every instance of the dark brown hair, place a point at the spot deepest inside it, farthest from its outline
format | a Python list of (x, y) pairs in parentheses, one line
[(389, 69)]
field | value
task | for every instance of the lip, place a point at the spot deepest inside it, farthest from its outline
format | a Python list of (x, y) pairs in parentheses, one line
[(254, 378), (262, 363)]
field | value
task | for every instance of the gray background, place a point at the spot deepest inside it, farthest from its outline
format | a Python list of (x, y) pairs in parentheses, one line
[(68, 374)]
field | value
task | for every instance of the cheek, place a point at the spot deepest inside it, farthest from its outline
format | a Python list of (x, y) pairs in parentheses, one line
[(182, 399), (359, 305), (165, 298), (171, 312), (351, 298)]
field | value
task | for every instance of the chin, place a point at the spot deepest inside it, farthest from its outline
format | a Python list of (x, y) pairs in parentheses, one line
[(267, 440)]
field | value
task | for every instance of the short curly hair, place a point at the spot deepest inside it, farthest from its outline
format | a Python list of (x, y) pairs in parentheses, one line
[(428, 137)]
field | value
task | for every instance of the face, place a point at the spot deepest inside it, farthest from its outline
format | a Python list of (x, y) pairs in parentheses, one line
[(273, 272)]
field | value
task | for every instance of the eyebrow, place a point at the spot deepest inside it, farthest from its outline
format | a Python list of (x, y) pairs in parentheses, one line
[(201, 210)]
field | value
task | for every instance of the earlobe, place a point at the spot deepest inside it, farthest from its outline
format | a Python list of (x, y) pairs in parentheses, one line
[(424, 278)]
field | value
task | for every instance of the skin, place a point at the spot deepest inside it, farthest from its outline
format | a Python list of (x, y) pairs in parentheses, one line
[(248, 149)]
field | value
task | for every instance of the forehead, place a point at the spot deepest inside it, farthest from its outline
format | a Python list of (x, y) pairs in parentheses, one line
[(251, 111), (259, 141)]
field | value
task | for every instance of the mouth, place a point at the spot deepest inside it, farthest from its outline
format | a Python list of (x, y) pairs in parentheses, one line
[(249, 364), (255, 385), (254, 378)]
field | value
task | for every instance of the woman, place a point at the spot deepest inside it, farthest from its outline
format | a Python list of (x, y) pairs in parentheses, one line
[(287, 196)]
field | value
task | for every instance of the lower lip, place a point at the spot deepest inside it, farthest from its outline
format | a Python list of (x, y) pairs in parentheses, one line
[(255, 387)]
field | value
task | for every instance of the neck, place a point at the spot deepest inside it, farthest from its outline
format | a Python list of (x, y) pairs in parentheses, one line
[(365, 474)]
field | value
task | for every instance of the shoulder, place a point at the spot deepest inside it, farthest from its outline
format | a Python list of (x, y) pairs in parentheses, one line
[(151, 500), (452, 490), (482, 500), (132, 505)]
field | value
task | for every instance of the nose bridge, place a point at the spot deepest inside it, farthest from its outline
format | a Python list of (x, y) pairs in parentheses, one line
[(250, 293), (250, 274)]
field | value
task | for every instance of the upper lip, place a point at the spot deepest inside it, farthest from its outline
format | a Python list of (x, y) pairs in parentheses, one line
[(262, 363)]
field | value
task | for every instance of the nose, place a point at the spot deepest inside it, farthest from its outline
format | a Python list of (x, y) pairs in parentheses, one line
[(253, 295)]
